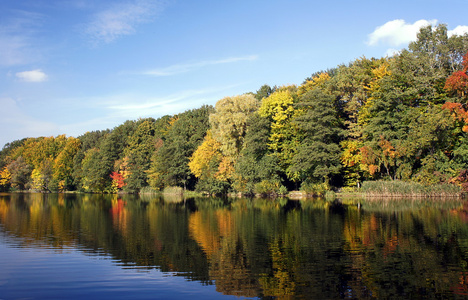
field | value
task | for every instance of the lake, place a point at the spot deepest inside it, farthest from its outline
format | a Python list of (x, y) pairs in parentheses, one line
[(76, 246)]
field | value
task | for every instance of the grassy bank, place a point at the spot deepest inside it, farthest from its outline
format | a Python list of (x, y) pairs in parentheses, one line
[(397, 188)]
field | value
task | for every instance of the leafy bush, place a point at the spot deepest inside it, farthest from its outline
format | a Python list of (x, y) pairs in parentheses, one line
[(212, 186), (267, 187), (315, 188)]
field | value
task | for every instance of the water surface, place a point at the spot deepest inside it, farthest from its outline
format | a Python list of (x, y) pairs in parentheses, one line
[(58, 246)]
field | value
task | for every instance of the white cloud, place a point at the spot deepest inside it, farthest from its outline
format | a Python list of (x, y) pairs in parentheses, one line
[(459, 30), (121, 20), (397, 32), (32, 76), (183, 68)]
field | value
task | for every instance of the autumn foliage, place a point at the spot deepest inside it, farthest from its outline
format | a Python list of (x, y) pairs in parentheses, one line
[(403, 117), (118, 180), (458, 81)]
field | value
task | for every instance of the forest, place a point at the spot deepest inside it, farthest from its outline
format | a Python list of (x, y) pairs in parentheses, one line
[(399, 118)]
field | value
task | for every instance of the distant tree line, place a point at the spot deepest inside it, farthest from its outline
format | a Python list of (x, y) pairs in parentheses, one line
[(403, 117)]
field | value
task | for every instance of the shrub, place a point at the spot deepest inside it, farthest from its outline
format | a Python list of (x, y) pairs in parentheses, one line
[(212, 186), (268, 187), (315, 188)]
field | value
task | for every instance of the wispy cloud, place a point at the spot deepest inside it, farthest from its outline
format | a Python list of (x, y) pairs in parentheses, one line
[(184, 68), (121, 19), (32, 76), (16, 34), (131, 106), (113, 110), (397, 32)]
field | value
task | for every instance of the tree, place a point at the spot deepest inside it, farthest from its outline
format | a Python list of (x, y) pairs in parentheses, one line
[(5, 179), (264, 92), (63, 164), (279, 109), (20, 173), (89, 140), (318, 155), (204, 162), (458, 81), (169, 164), (8, 149), (95, 173), (229, 122), (42, 176), (117, 181), (441, 52), (255, 162), (141, 145)]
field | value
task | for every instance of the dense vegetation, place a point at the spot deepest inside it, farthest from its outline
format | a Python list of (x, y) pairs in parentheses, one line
[(396, 118)]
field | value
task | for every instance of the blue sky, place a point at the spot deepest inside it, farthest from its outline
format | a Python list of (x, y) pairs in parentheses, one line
[(67, 67)]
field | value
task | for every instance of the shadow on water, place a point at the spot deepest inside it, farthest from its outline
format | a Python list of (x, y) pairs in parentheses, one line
[(260, 247)]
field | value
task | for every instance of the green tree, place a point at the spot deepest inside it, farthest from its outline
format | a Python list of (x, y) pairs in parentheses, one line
[(264, 92), (96, 177), (169, 166), (88, 141), (255, 163), (318, 156), (141, 146)]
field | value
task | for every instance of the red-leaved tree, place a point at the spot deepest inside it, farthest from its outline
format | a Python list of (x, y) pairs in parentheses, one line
[(118, 179), (458, 81)]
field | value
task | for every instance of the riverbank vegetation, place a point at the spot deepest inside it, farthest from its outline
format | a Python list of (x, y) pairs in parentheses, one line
[(401, 121)]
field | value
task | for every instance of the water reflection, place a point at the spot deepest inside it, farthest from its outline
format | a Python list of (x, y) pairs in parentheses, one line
[(260, 247)]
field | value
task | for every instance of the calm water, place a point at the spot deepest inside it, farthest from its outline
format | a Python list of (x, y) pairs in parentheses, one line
[(109, 247)]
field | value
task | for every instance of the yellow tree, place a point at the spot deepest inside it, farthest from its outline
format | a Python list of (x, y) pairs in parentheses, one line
[(318, 81), (284, 138), (229, 122), (205, 160), (5, 177), (63, 163)]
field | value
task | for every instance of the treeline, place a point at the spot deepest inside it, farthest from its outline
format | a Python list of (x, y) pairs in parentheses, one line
[(396, 118)]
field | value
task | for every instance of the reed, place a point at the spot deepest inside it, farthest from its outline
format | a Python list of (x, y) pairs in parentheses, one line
[(398, 188), (173, 190), (149, 191)]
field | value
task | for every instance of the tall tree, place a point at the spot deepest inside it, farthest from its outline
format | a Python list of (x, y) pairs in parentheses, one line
[(457, 83), (255, 163), (284, 139), (20, 173), (318, 155), (63, 164), (88, 141), (169, 165), (229, 122)]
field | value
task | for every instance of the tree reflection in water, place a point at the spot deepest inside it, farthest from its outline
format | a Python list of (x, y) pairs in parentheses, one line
[(261, 247)]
